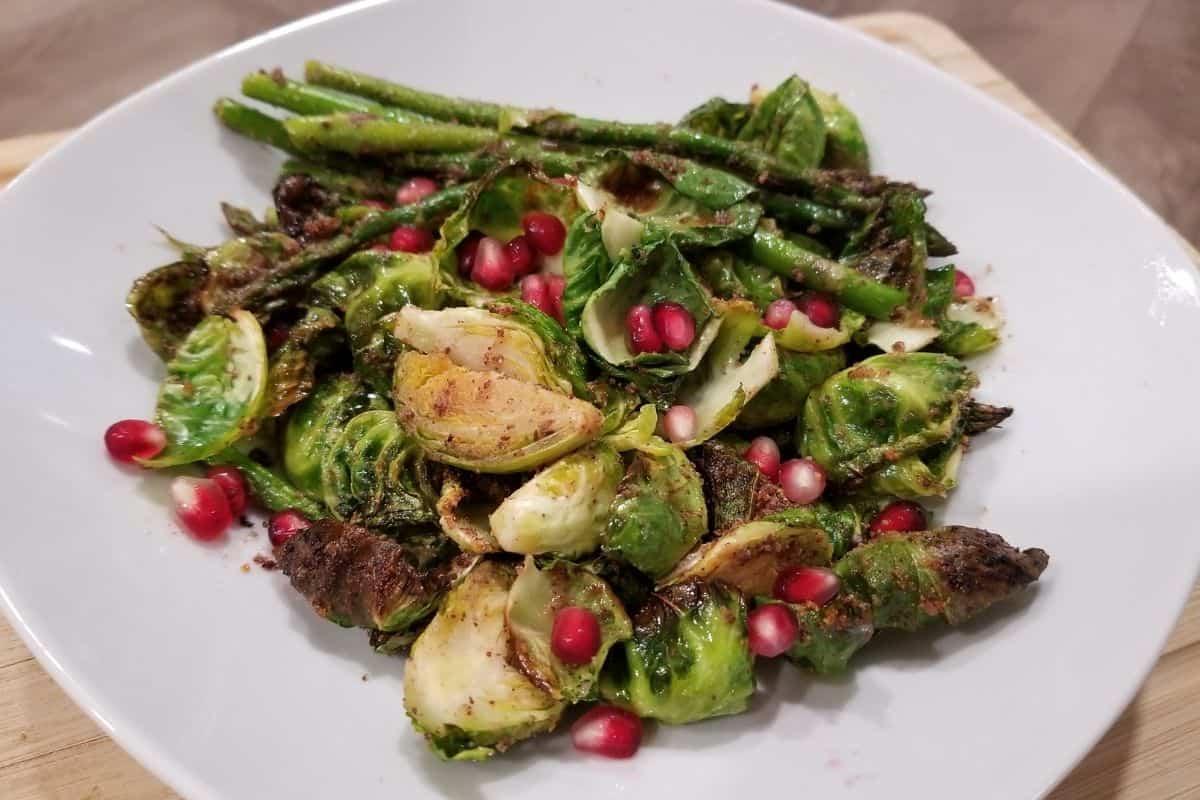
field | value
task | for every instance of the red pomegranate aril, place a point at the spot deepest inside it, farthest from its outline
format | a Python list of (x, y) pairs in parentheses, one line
[(679, 423), (545, 231), (520, 255), (608, 731), (778, 314), (764, 454), (491, 267), (556, 284), (963, 285), (807, 585), (285, 524), (411, 239), (466, 253), (821, 309), (415, 189), (643, 336), (133, 439), (899, 516), (802, 479), (675, 325), (772, 630), (575, 636), (202, 507), (233, 484), (536, 292)]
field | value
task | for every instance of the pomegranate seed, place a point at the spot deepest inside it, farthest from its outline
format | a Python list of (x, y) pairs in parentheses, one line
[(821, 309), (963, 285), (772, 630), (491, 267), (807, 585), (378, 204), (233, 484), (556, 284), (898, 516), (608, 731), (201, 506), (802, 480), (520, 253), (411, 239), (285, 524), (415, 189), (545, 231), (778, 314), (675, 324), (643, 336), (466, 253), (679, 423), (764, 454), (575, 637), (535, 292), (132, 439)]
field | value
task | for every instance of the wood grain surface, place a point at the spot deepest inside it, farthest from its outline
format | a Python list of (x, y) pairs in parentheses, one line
[(49, 749)]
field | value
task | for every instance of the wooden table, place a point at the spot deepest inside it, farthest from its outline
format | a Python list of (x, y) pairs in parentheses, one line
[(49, 749)]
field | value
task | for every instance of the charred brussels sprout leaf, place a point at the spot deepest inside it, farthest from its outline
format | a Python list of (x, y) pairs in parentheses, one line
[(659, 511), (459, 689), (788, 124), (294, 365), (314, 425), (688, 659), (374, 474), (734, 278), (564, 508), (841, 524), (971, 326), (800, 335), (845, 145), (354, 577), (884, 409), (536, 597), (166, 303), (586, 267), (751, 556), (737, 491), (907, 581), (782, 400), (463, 506), (214, 390), (485, 421), (514, 340), (717, 117)]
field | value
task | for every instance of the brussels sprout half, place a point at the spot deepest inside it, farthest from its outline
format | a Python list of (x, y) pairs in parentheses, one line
[(485, 421), (313, 426), (536, 597), (845, 145), (214, 390), (688, 659), (460, 690)]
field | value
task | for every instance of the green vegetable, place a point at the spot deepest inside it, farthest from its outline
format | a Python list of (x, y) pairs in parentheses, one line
[(459, 689), (214, 390), (659, 511), (736, 490), (463, 506), (514, 340), (564, 508), (688, 659), (782, 400), (751, 557), (971, 326), (316, 100), (800, 335), (484, 421), (586, 267), (788, 124), (717, 117), (293, 367), (907, 581), (726, 381), (361, 135), (374, 474), (313, 426), (884, 409), (270, 490), (845, 145), (536, 597), (166, 304)]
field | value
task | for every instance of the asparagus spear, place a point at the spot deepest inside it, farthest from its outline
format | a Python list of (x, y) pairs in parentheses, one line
[(853, 289), (802, 212), (307, 100), (361, 134), (252, 124), (907, 581), (739, 157)]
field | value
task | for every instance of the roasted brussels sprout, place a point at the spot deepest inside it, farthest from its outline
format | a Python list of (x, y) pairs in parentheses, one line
[(166, 303), (460, 690), (536, 597), (314, 425), (214, 390), (845, 145), (751, 556), (293, 370), (463, 506), (787, 122), (485, 421), (907, 581), (564, 508), (782, 400), (659, 512), (688, 659), (737, 491)]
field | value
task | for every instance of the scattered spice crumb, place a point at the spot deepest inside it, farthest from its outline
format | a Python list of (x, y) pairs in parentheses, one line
[(266, 562), (245, 522), (245, 567), (364, 677)]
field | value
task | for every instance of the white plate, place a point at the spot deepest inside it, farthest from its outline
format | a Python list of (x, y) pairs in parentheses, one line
[(227, 686)]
